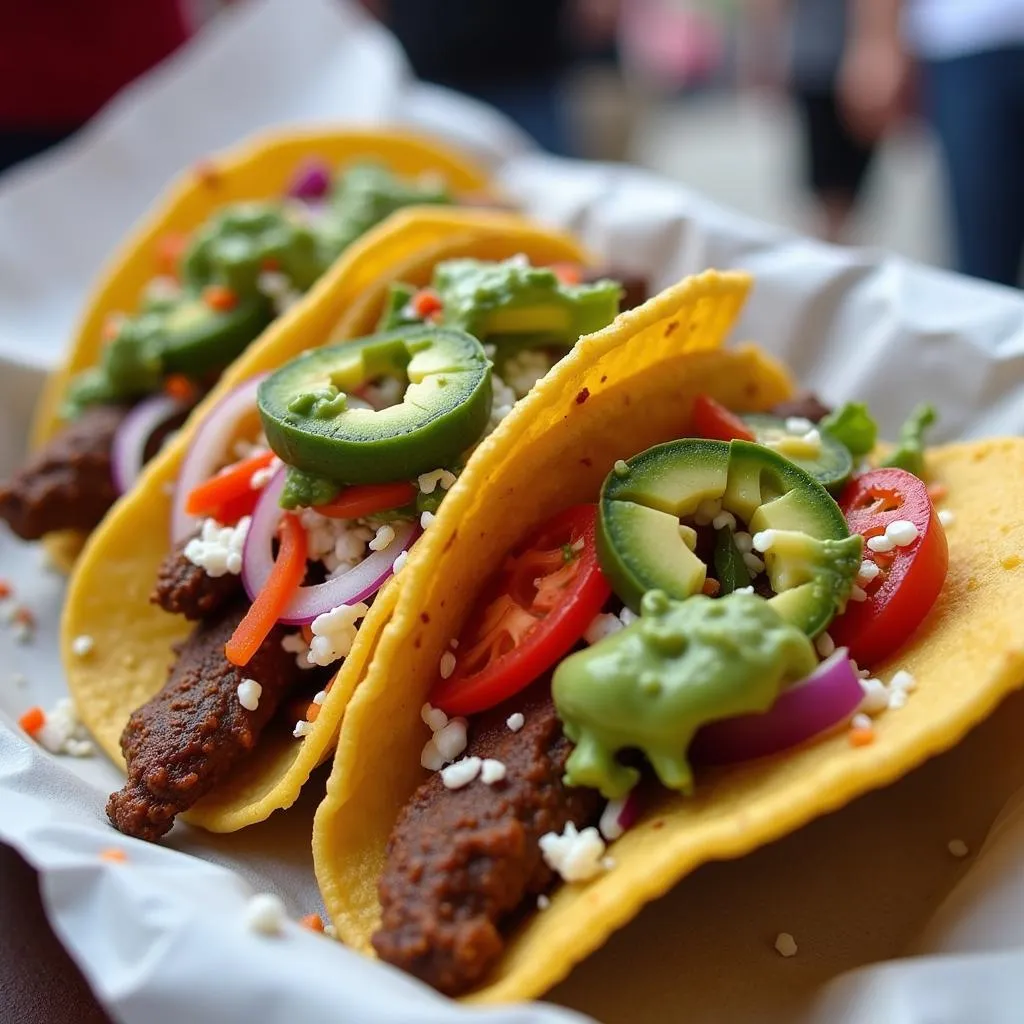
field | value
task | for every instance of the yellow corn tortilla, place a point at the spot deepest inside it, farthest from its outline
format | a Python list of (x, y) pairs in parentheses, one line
[(109, 590), (258, 169), (966, 657)]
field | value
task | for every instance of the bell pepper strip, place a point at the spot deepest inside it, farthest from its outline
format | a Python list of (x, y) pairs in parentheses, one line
[(220, 298), (541, 603), (368, 499), (426, 304), (713, 421), (910, 576), (33, 720), (169, 250), (285, 578), (180, 387), (211, 495)]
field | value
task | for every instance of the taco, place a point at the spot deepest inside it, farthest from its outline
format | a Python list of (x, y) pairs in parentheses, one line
[(236, 241), (683, 620), (293, 498)]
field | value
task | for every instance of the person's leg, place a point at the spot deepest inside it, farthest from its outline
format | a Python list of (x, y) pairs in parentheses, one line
[(975, 112)]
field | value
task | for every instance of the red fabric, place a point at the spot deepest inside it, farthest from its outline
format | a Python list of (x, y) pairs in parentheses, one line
[(61, 60)]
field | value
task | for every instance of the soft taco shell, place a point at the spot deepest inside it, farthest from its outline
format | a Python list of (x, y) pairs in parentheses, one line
[(966, 657), (259, 169), (108, 598)]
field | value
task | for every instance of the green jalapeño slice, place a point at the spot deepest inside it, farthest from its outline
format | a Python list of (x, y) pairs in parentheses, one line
[(311, 425), (809, 555)]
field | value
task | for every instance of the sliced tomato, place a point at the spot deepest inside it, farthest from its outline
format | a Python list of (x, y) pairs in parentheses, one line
[(568, 273), (911, 577), (713, 421), (367, 499), (541, 603)]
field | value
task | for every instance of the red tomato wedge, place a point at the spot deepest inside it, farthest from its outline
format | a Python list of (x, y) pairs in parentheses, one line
[(367, 499), (911, 577), (711, 420), (285, 578), (229, 485), (541, 603)]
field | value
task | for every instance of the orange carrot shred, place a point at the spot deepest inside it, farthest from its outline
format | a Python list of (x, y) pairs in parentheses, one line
[(113, 854), (426, 302), (179, 386), (711, 587), (861, 737), (220, 298), (284, 579), (33, 720), (568, 273), (314, 922), (206, 498), (169, 250), (5, 589)]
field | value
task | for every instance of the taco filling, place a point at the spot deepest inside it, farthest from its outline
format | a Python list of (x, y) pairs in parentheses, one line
[(213, 293), (302, 494), (725, 599)]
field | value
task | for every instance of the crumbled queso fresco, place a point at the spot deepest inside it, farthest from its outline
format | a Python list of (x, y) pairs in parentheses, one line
[(448, 739), (576, 856), (63, 733), (604, 624), (524, 369), (218, 549), (339, 543), (501, 405), (428, 482), (334, 632)]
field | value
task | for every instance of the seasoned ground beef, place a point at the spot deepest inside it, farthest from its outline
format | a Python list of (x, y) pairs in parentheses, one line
[(185, 589), (804, 404), (459, 862), (636, 289), (186, 739), (68, 485)]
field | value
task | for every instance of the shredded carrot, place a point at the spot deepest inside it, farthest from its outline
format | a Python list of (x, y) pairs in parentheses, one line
[(937, 491), (5, 589), (711, 587), (33, 720), (169, 250), (179, 386), (209, 496), (312, 712), (220, 298), (568, 273), (862, 737), (285, 578), (113, 854), (24, 617), (368, 499), (307, 634), (314, 922), (425, 303)]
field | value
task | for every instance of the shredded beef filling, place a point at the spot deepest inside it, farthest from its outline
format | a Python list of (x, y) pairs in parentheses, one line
[(459, 862), (184, 741), (805, 404), (68, 485), (185, 589)]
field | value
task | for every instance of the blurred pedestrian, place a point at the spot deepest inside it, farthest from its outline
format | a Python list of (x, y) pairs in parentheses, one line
[(798, 45), (971, 55), (61, 61)]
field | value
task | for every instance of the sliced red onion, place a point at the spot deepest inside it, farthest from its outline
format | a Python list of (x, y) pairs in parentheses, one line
[(821, 701), (620, 815), (312, 180), (207, 450), (129, 450), (359, 583)]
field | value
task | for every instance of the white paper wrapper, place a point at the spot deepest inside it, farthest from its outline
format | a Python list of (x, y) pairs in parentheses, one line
[(162, 937)]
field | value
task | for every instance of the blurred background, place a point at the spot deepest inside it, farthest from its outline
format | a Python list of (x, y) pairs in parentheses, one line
[(890, 123)]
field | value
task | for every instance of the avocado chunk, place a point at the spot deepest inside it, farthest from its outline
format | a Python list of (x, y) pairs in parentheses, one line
[(810, 557), (311, 425), (827, 459), (652, 685)]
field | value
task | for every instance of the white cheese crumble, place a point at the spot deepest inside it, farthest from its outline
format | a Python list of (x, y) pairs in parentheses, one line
[(743, 590), (609, 823), (451, 740), (295, 643), (265, 914), (763, 540), (447, 665), (858, 594), (723, 520), (383, 539), (433, 718), (706, 511), (957, 847), (82, 646), (947, 517), (798, 425), (524, 369), (302, 729), (461, 773), (492, 771), (448, 739), (163, 288), (319, 697), (876, 696), (744, 542), (902, 532), (867, 572), (262, 477), (249, 693), (515, 721), (334, 632), (882, 543), (426, 518), (273, 284), (218, 549), (339, 543), (576, 856), (63, 733), (400, 563), (861, 721), (903, 680), (543, 902), (428, 481), (752, 562), (785, 944), (502, 400), (825, 645), (605, 624)]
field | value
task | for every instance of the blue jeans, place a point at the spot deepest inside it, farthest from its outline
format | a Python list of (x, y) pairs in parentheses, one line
[(976, 106)]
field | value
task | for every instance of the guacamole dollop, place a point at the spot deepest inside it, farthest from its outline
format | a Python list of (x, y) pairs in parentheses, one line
[(652, 685)]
